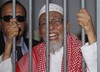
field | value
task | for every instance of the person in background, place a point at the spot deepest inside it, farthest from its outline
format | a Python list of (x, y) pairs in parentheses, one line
[(11, 27)]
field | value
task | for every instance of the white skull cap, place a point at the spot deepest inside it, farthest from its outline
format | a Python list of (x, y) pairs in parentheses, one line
[(52, 7)]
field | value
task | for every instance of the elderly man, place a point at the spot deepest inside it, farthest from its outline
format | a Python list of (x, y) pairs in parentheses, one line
[(74, 54)]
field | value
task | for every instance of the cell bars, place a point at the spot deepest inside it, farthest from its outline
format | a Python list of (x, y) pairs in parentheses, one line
[(47, 37), (83, 37), (14, 38), (30, 35), (65, 17), (65, 3)]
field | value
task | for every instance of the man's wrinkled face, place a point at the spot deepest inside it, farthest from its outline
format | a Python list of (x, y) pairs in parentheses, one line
[(7, 12), (55, 29)]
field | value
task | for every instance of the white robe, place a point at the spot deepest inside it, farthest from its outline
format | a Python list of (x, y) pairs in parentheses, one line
[(89, 54)]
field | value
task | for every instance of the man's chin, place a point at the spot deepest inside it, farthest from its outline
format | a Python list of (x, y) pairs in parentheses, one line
[(54, 49), (55, 44)]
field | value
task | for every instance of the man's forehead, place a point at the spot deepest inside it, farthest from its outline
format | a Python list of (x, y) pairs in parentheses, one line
[(52, 13), (8, 8), (10, 5)]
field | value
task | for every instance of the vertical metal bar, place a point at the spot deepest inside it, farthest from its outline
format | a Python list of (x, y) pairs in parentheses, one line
[(30, 35), (47, 36), (65, 3), (98, 34), (83, 37), (83, 33), (14, 38)]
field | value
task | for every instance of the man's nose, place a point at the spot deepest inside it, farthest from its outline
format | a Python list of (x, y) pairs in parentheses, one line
[(51, 26)]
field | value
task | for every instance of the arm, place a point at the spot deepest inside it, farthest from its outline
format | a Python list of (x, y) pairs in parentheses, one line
[(85, 21), (90, 56), (10, 31), (89, 50), (5, 66)]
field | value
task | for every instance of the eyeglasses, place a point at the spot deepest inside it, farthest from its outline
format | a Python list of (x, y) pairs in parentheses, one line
[(55, 22), (8, 17)]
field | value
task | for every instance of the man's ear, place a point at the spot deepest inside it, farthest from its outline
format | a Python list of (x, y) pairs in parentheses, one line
[(68, 26), (39, 34)]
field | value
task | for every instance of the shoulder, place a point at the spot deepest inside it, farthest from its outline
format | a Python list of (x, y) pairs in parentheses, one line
[(73, 40), (39, 47), (35, 42), (73, 37)]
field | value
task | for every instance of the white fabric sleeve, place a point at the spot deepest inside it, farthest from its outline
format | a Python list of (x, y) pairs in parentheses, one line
[(90, 56), (5, 66)]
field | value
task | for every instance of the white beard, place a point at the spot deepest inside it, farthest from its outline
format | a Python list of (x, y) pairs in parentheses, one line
[(56, 45)]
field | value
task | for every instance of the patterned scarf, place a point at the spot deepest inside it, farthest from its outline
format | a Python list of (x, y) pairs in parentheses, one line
[(74, 57)]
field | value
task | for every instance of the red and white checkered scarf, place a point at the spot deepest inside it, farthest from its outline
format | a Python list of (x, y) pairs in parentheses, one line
[(74, 57)]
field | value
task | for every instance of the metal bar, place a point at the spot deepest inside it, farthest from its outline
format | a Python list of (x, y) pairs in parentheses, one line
[(98, 34), (47, 36), (30, 35), (14, 38), (83, 33), (65, 2), (83, 6), (83, 62), (83, 37)]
